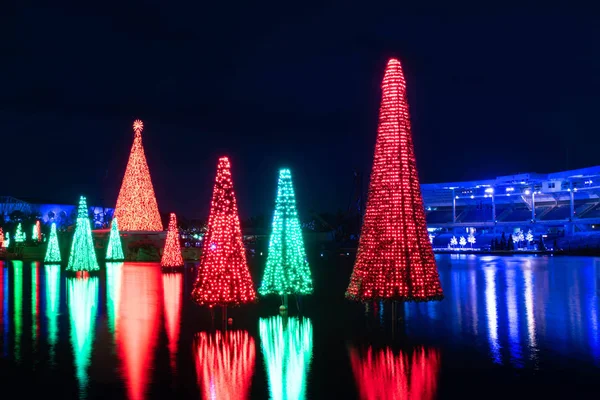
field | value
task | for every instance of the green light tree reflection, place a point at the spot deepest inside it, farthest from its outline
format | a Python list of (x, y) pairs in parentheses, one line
[(52, 305), (82, 295), (286, 344), (114, 271)]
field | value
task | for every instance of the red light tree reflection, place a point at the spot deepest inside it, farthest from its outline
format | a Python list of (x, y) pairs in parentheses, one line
[(385, 375), (138, 324), (224, 364), (172, 301)]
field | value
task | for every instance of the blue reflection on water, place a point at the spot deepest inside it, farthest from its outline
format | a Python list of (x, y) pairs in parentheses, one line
[(516, 307)]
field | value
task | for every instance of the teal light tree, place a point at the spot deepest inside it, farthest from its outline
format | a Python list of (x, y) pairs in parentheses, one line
[(287, 270), (19, 234), (53, 250), (114, 249), (83, 255)]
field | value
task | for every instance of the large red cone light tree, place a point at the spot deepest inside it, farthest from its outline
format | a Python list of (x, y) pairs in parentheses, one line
[(136, 208), (223, 275), (395, 259)]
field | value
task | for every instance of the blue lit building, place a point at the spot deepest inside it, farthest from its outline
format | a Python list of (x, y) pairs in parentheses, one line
[(562, 205)]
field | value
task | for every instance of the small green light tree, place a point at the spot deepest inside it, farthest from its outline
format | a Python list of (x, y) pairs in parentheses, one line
[(287, 270), (53, 250), (20, 236), (114, 249), (83, 255)]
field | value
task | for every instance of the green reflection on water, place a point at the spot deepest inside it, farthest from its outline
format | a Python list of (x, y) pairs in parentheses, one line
[(287, 348)]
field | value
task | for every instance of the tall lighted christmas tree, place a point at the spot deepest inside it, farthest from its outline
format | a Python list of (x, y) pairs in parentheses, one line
[(136, 208), (19, 234), (171, 257), (83, 255), (53, 250), (223, 275), (395, 259), (287, 270), (114, 249)]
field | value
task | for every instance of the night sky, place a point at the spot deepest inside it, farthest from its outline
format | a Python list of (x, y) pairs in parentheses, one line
[(270, 87)]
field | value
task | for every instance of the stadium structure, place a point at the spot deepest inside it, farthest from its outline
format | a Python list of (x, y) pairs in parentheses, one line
[(563, 207)]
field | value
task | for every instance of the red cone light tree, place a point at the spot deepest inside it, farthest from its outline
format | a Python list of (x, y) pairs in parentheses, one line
[(171, 257), (395, 259), (223, 275), (136, 208)]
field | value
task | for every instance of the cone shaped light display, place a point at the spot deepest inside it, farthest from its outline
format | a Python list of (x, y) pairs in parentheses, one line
[(114, 249), (36, 233), (172, 252), (83, 255), (223, 275), (136, 208), (395, 259), (287, 270), (53, 250), (19, 234)]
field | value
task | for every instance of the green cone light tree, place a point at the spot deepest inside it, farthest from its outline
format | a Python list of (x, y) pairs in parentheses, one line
[(83, 255), (53, 250), (114, 249), (19, 234), (287, 271)]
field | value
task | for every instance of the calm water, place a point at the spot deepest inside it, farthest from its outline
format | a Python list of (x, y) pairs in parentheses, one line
[(509, 327)]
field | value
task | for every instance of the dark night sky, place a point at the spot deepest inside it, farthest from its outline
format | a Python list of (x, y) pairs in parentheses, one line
[(489, 95)]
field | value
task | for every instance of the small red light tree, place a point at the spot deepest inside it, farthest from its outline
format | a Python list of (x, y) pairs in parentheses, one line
[(223, 275), (172, 252)]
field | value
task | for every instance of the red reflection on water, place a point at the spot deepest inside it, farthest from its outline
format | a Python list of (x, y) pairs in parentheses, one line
[(224, 364), (406, 375), (138, 324), (172, 302)]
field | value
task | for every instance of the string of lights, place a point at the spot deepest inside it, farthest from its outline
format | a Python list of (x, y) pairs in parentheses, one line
[(395, 258), (114, 248), (83, 254), (53, 250), (223, 274), (136, 208), (287, 270), (172, 257)]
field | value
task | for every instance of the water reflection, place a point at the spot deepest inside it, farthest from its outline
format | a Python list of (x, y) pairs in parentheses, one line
[(530, 319), (224, 364), (82, 296), (113, 292), (52, 273), (287, 349), (513, 317), (384, 374), (17, 306), (491, 311), (138, 324), (172, 301), (35, 301), (4, 283)]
